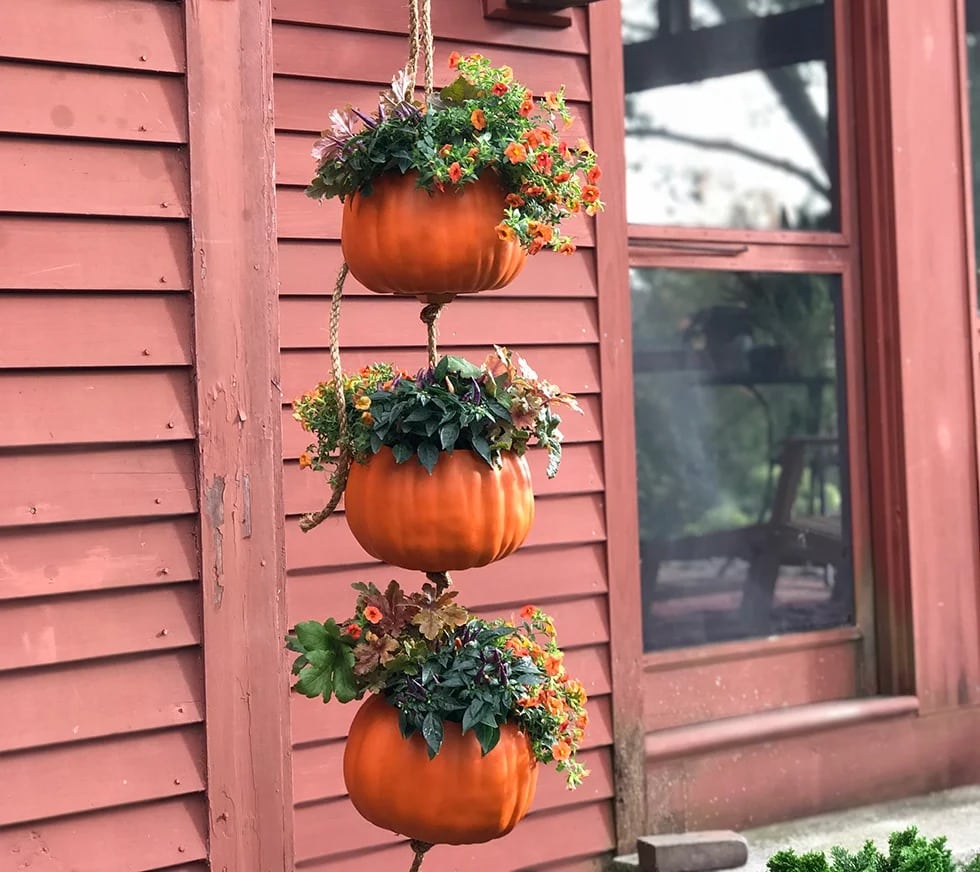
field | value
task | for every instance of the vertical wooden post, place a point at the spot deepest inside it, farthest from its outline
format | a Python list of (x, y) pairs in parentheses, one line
[(236, 316), (619, 449)]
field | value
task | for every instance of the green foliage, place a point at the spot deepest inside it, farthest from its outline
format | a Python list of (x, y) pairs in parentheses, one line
[(437, 663), (907, 852), (499, 406), (482, 121)]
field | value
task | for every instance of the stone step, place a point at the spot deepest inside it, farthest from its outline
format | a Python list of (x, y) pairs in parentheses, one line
[(703, 851)]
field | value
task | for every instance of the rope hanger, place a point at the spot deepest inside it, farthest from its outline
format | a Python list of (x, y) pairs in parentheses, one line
[(420, 52)]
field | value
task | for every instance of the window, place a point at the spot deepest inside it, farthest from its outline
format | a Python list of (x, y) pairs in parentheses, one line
[(746, 333)]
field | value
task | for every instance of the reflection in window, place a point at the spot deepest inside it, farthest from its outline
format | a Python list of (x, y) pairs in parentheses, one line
[(741, 457), (728, 113)]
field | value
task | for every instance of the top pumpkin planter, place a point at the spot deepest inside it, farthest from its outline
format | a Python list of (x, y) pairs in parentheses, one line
[(449, 196)]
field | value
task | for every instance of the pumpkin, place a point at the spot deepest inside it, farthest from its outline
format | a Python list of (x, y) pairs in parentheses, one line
[(458, 797), (465, 514), (400, 239)]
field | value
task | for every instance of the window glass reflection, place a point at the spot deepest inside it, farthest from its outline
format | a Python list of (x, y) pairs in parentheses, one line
[(729, 113), (741, 457)]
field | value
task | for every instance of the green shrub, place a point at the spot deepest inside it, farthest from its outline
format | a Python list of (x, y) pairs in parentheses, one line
[(907, 852)]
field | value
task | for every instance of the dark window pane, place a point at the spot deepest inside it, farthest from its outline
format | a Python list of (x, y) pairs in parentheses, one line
[(729, 113), (741, 455)]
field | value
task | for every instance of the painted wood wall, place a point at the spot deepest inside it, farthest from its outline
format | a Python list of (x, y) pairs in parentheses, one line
[(101, 683), (327, 55)]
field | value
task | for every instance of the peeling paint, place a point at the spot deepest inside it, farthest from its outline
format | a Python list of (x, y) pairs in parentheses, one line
[(214, 510)]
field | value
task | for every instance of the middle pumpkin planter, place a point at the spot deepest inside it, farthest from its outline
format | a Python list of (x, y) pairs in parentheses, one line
[(464, 514)]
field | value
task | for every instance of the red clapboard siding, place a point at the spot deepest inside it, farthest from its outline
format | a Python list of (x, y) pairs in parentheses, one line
[(139, 34), (62, 629), (313, 721), (574, 367), (479, 321), (89, 254), (54, 330), (104, 773), (303, 105), (576, 428), (145, 836), (299, 217), (558, 521), (60, 704), (46, 487), (98, 104), (87, 178), (309, 267), (581, 472), (56, 560), (545, 836), (450, 22), (52, 408), (326, 53)]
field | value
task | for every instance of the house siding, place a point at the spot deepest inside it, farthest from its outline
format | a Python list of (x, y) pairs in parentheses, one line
[(101, 738), (328, 55)]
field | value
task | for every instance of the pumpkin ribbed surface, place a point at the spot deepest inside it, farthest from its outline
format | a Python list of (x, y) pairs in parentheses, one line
[(464, 514), (400, 239), (456, 798)]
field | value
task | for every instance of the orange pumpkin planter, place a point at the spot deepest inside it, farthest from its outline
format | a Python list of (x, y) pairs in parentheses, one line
[(456, 798), (464, 514), (400, 239)]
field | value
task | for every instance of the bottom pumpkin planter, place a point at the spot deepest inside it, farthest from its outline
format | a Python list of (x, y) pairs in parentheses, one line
[(458, 797)]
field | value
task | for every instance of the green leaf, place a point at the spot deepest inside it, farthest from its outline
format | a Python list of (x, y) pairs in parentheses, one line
[(482, 447), (448, 434), (459, 90), (441, 370), (487, 737), (472, 715), (401, 451), (428, 456), (462, 367), (344, 684), (432, 733), (312, 635)]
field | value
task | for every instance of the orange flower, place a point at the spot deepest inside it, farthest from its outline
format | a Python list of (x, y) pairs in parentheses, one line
[(353, 631), (544, 162), (500, 88), (563, 149), (514, 200), (535, 246), (305, 460), (583, 146), (362, 404), (551, 100), (444, 151), (455, 172), (528, 612), (532, 190), (516, 153), (372, 614), (552, 664), (454, 59), (527, 106), (531, 138), (554, 706), (561, 750), (566, 248), (593, 175), (540, 231), (506, 73), (367, 418), (545, 136), (590, 194), (473, 152), (478, 119), (505, 232), (563, 176)]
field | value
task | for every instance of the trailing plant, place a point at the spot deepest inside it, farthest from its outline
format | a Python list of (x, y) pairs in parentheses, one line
[(907, 852), (483, 121), (500, 405), (436, 663)]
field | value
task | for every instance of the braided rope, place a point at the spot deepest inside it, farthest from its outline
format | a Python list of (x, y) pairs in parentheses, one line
[(425, 30), (308, 522), (429, 315), (411, 68)]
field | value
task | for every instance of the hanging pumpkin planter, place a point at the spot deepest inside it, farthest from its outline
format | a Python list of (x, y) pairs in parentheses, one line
[(458, 797), (402, 239), (445, 750), (464, 513), (439, 481), (449, 195)]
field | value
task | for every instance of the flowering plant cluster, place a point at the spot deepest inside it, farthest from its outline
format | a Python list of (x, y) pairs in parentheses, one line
[(484, 121), (435, 662), (498, 406)]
